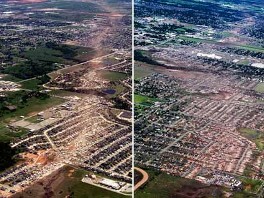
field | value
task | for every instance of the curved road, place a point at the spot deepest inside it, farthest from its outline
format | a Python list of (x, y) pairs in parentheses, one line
[(143, 180)]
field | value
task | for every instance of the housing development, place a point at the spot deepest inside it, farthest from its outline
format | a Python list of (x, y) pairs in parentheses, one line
[(199, 97), (65, 91)]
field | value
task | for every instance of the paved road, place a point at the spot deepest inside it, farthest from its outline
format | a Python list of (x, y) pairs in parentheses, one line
[(143, 180)]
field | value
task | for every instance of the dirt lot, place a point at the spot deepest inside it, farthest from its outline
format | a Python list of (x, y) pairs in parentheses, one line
[(66, 182)]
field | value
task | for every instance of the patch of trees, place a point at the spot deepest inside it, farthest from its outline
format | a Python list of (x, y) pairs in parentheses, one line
[(121, 104), (139, 56), (43, 79), (256, 30), (160, 37), (172, 28), (193, 12), (139, 25), (7, 156), (18, 100), (68, 52), (30, 69), (243, 52), (189, 43), (243, 70)]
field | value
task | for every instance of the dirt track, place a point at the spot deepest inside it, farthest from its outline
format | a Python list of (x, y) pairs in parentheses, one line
[(143, 180)]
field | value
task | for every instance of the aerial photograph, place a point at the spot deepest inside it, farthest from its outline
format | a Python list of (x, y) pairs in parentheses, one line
[(65, 98), (199, 99)]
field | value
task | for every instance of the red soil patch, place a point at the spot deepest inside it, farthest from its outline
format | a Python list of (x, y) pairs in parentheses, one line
[(221, 96), (41, 157)]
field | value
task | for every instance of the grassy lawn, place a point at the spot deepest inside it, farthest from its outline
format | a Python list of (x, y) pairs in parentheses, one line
[(6, 134), (245, 47), (112, 76), (10, 78), (167, 186), (260, 88), (46, 58), (251, 185), (226, 34), (140, 99), (63, 93), (31, 84), (253, 135), (251, 48), (34, 105), (118, 88), (244, 62), (197, 40), (82, 190), (143, 70), (33, 119), (163, 185), (45, 54), (55, 53)]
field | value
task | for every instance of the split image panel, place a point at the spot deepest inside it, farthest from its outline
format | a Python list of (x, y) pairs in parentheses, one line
[(66, 104), (198, 98)]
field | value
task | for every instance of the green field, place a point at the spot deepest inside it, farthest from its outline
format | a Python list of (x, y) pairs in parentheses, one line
[(251, 48), (140, 99), (32, 105), (244, 62), (33, 119), (260, 88), (36, 105), (143, 70), (31, 84), (119, 88), (251, 185), (245, 47), (143, 102), (43, 53), (255, 136), (112, 76), (56, 53), (226, 34), (64, 93), (47, 58), (6, 134), (196, 40), (10, 78), (162, 185)]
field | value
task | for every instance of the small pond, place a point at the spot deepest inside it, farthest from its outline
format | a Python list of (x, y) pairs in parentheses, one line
[(109, 91)]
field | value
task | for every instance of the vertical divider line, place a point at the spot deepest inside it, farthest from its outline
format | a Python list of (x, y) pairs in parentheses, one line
[(133, 101)]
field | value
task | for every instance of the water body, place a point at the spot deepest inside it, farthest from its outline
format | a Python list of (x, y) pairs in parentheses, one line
[(110, 91)]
